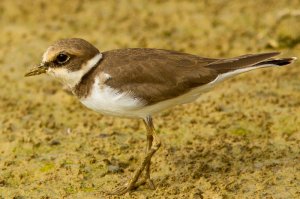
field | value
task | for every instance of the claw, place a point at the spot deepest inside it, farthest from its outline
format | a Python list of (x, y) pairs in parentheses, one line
[(131, 186), (119, 191)]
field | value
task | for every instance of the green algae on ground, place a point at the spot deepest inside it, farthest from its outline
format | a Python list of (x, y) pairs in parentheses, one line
[(47, 167)]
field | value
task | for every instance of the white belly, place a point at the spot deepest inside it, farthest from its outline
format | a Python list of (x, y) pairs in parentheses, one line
[(106, 100)]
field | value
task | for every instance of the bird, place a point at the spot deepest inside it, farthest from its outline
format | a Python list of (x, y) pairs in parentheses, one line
[(140, 82)]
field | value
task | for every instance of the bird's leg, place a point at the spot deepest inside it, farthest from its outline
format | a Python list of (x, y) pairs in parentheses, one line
[(150, 131), (153, 144)]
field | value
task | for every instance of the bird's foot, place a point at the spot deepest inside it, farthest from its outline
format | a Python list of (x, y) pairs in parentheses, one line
[(133, 185), (123, 189)]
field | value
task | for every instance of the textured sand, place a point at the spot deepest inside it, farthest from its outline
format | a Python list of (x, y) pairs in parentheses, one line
[(242, 140)]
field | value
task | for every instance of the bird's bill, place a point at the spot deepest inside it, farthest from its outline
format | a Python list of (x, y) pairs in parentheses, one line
[(36, 71)]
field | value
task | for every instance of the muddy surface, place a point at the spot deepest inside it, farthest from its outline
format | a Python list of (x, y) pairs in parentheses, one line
[(241, 140)]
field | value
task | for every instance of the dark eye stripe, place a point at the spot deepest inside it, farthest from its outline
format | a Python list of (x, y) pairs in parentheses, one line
[(52, 64), (48, 64)]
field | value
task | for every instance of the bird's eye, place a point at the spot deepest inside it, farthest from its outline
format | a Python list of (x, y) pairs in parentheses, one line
[(62, 58)]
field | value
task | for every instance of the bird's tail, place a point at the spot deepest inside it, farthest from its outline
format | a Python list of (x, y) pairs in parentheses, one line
[(276, 62), (250, 61), (231, 67)]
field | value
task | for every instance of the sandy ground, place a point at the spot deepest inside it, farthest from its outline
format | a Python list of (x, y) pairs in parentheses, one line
[(242, 140)]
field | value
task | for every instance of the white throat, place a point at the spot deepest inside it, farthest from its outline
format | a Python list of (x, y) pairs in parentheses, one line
[(72, 78)]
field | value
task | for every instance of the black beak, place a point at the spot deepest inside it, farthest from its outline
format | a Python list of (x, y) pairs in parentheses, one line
[(37, 70)]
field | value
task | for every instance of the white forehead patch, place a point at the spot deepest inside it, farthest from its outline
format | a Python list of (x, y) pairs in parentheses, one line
[(45, 55)]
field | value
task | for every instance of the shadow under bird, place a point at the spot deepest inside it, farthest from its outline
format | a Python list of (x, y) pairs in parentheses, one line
[(139, 82)]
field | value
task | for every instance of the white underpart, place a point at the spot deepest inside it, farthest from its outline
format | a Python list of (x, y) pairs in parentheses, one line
[(109, 101), (72, 78), (235, 72)]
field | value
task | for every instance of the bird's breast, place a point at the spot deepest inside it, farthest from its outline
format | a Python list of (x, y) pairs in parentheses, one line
[(109, 101)]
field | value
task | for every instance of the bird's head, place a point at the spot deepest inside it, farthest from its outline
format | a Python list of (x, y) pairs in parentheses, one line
[(68, 60)]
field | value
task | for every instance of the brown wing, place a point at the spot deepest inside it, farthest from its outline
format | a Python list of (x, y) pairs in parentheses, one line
[(155, 75)]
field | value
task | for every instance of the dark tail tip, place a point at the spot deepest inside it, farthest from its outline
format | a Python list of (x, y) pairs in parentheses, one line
[(278, 62)]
